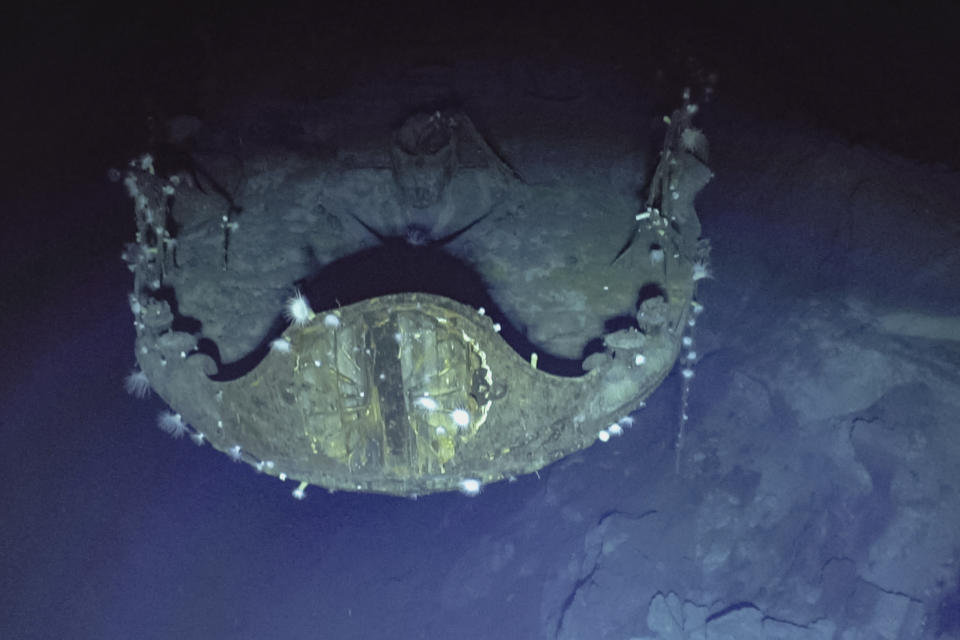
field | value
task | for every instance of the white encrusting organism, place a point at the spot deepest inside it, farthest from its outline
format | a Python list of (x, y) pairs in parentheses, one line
[(331, 321), (280, 345)]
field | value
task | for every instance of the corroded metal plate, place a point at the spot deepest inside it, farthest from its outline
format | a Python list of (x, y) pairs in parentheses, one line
[(394, 387)]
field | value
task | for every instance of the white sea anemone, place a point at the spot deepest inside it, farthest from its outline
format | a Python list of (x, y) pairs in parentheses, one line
[(701, 270), (172, 423), (297, 310), (470, 486), (235, 453), (300, 492), (461, 418), (137, 384), (693, 141)]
